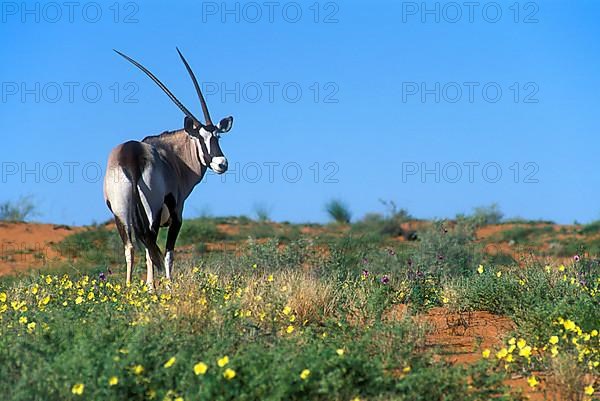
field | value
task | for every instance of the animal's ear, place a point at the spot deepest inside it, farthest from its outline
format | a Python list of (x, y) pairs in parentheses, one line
[(189, 126), (225, 124)]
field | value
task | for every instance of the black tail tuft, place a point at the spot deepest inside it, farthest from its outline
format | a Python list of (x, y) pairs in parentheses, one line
[(143, 231)]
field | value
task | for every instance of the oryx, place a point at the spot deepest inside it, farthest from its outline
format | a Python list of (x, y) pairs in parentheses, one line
[(147, 182)]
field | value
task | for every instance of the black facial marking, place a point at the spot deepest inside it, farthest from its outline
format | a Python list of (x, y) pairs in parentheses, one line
[(214, 147)]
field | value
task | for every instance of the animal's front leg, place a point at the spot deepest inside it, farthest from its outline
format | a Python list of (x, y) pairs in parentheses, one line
[(171, 239), (149, 271)]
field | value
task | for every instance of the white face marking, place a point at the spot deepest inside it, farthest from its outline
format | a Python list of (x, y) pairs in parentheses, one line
[(206, 137), (219, 165)]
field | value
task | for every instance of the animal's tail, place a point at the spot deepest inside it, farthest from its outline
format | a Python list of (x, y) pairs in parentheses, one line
[(142, 228), (143, 231)]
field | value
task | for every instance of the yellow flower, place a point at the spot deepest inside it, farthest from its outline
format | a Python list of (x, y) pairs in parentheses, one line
[(170, 362), (223, 361), (23, 320), (589, 390), (2, 297), (569, 325), (270, 278), (521, 343), (532, 381), (48, 280), (512, 341), (554, 351), (31, 327), (287, 310), (406, 369), (78, 388), (200, 368), (46, 300), (480, 269), (78, 300), (179, 399), (229, 374), (138, 369), (340, 351), (304, 374), (498, 274), (289, 329), (561, 268), (553, 340), (113, 381), (502, 353), (486, 353), (594, 333), (445, 300), (525, 351)]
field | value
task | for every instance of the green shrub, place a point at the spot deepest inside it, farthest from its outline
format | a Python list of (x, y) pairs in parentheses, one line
[(197, 230), (338, 211), (448, 249), (389, 224), (21, 210)]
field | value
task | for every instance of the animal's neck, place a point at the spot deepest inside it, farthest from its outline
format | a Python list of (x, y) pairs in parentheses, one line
[(183, 153)]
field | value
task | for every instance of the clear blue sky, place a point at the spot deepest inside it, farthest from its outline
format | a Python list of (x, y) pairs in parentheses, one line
[(373, 58)]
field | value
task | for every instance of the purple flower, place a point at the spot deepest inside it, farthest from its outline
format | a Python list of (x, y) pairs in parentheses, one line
[(365, 273), (102, 276), (385, 279), (109, 272), (576, 258), (365, 261)]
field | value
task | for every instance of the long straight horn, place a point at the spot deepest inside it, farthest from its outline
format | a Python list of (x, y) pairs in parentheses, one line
[(200, 96), (162, 86)]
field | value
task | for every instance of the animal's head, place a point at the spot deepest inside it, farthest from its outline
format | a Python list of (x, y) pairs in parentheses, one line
[(208, 140), (206, 134)]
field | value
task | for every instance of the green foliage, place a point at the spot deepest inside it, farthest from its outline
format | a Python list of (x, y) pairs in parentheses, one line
[(525, 234), (263, 212), (21, 210), (95, 246), (591, 228), (388, 224), (486, 215), (448, 249), (338, 211), (537, 296), (198, 230), (343, 348)]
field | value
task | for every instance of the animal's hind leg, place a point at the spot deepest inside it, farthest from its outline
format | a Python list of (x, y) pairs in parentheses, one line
[(129, 259), (171, 238), (153, 258), (126, 238), (149, 271)]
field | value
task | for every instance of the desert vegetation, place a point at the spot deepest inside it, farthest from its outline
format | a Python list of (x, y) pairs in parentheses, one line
[(276, 311)]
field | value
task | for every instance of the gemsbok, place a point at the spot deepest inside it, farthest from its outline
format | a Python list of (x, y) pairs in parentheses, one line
[(147, 182)]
